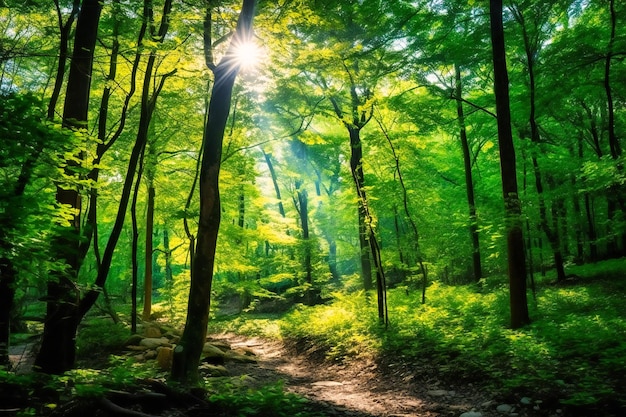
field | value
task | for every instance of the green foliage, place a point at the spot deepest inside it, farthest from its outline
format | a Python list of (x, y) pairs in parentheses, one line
[(235, 398), (121, 373), (100, 334), (574, 350)]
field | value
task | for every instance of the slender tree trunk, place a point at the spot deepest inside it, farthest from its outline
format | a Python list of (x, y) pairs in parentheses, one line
[(512, 204), (405, 204), (615, 197), (270, 167), (65, 29), (469, 182), (552, 233), (356, 166), (301, 200), (591, 228), (7, 295), (134, 246), (58, 346), (614, 144), (147, 282), (187, 353), (169, 275), (8, 273)]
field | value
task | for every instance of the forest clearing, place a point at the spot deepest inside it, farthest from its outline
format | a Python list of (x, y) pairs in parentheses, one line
[(312, 208)]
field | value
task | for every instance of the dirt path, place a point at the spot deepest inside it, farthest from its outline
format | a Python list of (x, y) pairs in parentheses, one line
[(358, 390)]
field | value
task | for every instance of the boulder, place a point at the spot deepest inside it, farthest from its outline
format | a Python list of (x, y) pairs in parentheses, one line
[(153, 342), (238, 358), (213, 370), (212, 354), (137, 348), (223, 346), (133, 340), (164, 357), (153, 332)]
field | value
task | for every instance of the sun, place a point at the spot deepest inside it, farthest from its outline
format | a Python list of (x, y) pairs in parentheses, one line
[(247, 55)]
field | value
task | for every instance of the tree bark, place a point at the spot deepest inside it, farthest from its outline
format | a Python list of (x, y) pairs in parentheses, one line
[(147, 282), (134, 248), (356, 166), (302, 205), (187, 354), (469, 182), (58, 347), (512, 204), (270, 167), (64, 29)]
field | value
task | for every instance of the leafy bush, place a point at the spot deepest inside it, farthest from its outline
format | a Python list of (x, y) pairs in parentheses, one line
[(236, 399), (574, 350)]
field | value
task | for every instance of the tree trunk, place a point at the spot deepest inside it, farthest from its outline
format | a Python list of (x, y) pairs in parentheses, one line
[(58, 347), (552, 233), (512, 204), (469, 182), (187, 354), (147, 282), (7, 295), (64, 29), (134, 247), (356, 167), (303, 211), (270, 167)]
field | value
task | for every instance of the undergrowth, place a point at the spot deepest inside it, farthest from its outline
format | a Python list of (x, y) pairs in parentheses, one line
[(573, 352)]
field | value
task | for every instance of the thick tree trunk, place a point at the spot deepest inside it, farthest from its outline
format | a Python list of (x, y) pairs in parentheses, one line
[(469, 182), (512, 204), (187, 353), (58, 347)]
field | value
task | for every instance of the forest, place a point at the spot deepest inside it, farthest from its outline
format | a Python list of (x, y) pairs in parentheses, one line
[(312, 208)]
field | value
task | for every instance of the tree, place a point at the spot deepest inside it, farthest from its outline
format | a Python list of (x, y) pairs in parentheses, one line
[(512, 205), (187, 353), (58, 346)]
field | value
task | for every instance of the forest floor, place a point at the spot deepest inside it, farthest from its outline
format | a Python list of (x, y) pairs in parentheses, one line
[(364, 388), (361, 388)]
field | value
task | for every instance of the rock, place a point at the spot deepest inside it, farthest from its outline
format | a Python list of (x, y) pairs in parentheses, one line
[(526, 401), (504, 408), (164, 357), (246, 351), (437, 392), (150, 354), (472, 414), (212, 354), (210, 349), (213, 370), (236, 357), (137, 348), (134, 339), (326, 384), (223, 346), (153, 332), (153, 342)]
